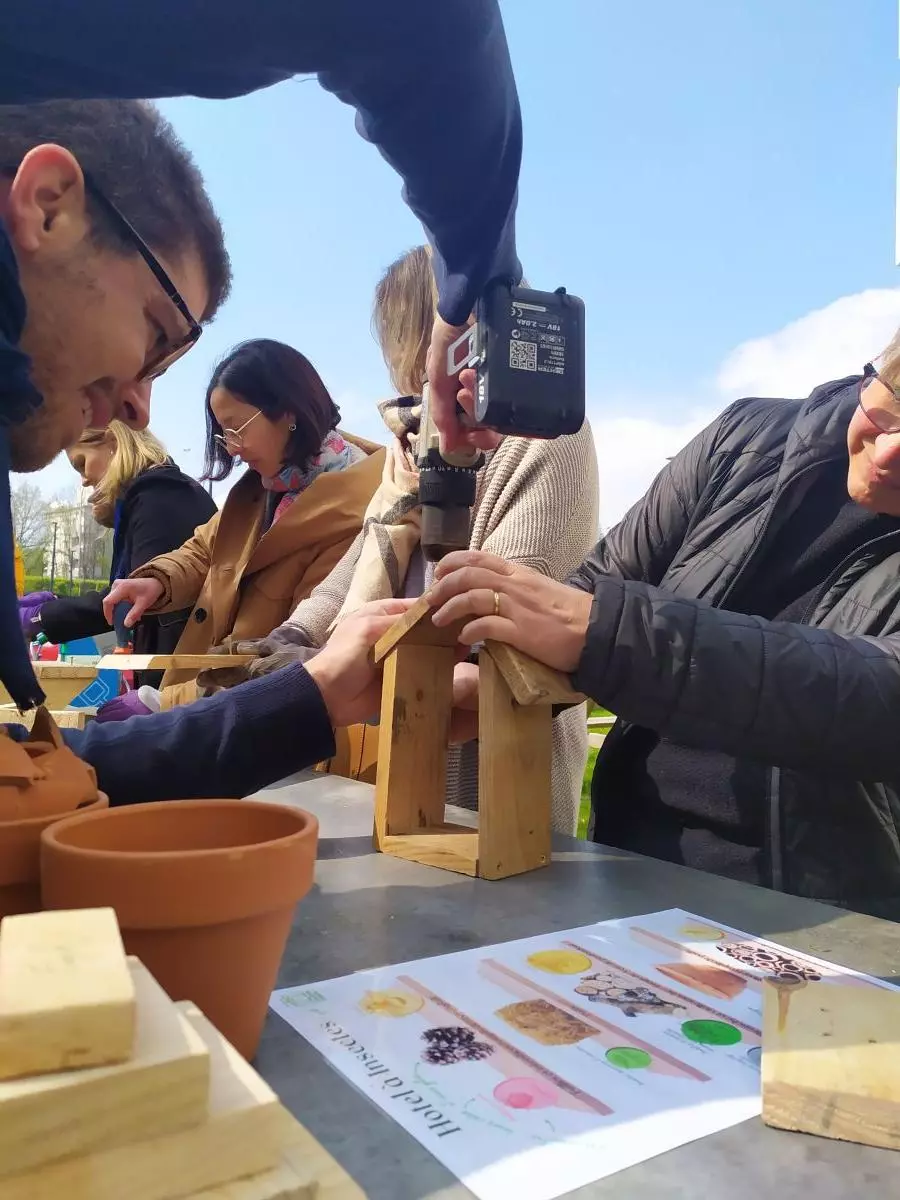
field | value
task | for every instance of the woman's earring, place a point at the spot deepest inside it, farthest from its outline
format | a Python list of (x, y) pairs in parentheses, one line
[(292, 428)]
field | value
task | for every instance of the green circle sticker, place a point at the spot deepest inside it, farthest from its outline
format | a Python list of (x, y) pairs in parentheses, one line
[(711, 1033), (628, 1058)]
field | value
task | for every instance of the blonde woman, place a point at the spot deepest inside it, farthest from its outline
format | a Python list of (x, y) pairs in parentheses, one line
[(536, 504), (152, 507)]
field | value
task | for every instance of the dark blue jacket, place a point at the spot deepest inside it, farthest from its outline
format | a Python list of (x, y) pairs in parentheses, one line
[(457, 146)]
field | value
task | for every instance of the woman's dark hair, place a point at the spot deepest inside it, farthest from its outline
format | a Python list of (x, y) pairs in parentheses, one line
[(276, 379)]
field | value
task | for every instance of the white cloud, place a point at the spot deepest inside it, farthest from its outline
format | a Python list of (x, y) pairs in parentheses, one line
[(825, 344)]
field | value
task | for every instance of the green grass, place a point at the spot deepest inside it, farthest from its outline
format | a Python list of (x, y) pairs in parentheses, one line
[(584, 808)]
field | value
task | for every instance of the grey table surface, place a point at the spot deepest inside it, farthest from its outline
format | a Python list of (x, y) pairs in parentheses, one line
[(369, 910)]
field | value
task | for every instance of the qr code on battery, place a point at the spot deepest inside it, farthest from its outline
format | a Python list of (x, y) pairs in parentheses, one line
[(523, 355)]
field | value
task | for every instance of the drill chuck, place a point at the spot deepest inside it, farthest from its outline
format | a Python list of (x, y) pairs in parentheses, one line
[(446, 495)]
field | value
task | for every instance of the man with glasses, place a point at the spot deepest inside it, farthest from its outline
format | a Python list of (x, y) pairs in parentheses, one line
[(743, 622), (112, 259)]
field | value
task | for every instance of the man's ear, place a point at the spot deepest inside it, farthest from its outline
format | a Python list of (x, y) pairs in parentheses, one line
[(45, 209)]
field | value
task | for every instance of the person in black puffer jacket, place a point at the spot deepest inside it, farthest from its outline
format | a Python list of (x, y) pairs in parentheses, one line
[(743, 621), (153, 507)]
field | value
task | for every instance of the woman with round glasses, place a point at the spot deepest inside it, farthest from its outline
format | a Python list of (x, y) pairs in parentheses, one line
[(284, 524)]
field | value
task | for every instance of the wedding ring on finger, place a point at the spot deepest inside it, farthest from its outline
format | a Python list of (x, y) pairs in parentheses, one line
[(496, 604)]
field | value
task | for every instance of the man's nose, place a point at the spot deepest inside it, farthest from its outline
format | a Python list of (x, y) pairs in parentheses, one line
[(134, 403)]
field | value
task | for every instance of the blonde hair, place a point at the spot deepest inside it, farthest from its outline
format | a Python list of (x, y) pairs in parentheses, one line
[(402, 318), (135, 451)]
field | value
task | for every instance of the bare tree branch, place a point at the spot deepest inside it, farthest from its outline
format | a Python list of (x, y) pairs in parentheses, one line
[(29, 513)]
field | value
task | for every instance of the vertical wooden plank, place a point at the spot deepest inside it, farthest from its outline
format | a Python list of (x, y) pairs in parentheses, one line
[(515, 747), (417, 695)]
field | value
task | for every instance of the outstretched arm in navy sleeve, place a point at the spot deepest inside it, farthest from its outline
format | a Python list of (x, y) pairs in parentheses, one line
[(431, 82), (229, 745)]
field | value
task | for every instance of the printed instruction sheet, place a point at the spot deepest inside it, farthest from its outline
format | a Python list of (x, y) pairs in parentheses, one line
[(535, 1067)]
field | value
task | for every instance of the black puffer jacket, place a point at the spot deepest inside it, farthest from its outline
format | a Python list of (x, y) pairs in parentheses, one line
[(818, 703)]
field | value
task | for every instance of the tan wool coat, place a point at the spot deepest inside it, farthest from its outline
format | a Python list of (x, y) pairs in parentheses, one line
[(242, 584)]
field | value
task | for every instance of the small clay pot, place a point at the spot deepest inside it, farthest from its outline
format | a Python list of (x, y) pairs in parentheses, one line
[(20, 858), (204, 891)]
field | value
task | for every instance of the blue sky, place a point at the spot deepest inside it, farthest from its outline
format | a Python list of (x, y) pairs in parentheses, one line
[(703, 174)]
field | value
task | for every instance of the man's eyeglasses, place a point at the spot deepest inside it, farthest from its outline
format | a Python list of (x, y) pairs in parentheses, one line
[(233, 439), (879, 401), (168, 354)]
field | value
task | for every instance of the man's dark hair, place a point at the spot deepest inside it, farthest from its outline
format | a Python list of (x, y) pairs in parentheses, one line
[(134, 156), (276, 379)]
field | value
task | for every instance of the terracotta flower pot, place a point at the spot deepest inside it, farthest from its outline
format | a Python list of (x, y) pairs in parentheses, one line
[(204, 890), (41, 781), (20, 858)]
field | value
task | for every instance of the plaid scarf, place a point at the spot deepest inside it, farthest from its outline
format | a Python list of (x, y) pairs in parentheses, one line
[(336, 454), (392, 524)]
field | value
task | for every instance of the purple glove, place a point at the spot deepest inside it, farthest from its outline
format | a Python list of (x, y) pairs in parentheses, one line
[(30, 606), (123, 707)]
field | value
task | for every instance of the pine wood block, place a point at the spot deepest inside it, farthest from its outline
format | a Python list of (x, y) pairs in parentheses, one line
[(163, 1088), (415, 628), (243, 1134), (529, 681), (60, 682), (65, 718), (306, 1172), (831, 1061), (417, 696), (514, 764), (66, 994), (174, 662), (452, 847)]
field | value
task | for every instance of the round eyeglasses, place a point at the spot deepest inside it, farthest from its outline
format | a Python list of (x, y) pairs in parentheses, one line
[(879, 401), (233, 439)]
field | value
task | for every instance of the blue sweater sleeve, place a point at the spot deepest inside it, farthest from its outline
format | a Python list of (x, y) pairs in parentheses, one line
[(431, 83), (229, 745)]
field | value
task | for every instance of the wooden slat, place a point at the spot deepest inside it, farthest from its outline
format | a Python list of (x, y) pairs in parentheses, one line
[(515, 750), (416, 628), (65, 718), (417, 696), (452, 847), (175, 662), (529, 681), (831, 1061)]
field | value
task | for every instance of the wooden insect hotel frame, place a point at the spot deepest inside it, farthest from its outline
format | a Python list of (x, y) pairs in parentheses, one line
[(515, 735)]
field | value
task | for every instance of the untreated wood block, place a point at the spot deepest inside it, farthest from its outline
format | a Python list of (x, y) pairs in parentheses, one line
[(514, 765), (529, 681), (163, 1088), (243, 1134), (65, 718), (417, 697), (175, 662), (66, 994), (415, 627), (453, 847), (306, 1171), (831, 1060)]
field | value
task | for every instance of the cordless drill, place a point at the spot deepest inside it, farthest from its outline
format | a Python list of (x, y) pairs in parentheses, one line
[(527, 349)]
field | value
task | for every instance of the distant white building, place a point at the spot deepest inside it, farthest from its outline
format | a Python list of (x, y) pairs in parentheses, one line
[(77, 546)]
